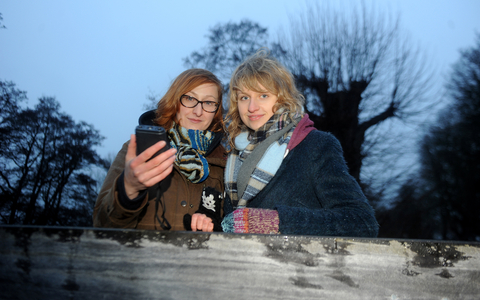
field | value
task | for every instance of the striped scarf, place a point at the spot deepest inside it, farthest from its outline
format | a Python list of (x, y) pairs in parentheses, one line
[(267, 166), (191, 147)]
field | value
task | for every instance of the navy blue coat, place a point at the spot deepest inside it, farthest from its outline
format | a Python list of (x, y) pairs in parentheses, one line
[(314, 194)]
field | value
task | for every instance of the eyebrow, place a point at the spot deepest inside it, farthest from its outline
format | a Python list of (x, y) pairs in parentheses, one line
[(196, 96), (261, 92)]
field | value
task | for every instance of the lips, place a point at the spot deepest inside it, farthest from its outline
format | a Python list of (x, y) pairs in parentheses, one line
[(196, 121), (255, 117)]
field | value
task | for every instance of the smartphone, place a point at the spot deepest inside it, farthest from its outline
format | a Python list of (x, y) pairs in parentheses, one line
[(148, 135)]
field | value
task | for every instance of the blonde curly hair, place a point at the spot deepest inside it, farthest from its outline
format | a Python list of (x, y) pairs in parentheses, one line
[(262, 69)]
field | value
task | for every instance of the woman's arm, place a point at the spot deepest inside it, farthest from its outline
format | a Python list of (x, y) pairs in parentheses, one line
[(120, 200)]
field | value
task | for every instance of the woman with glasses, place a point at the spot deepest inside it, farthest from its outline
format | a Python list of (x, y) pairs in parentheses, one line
[(164, 192)]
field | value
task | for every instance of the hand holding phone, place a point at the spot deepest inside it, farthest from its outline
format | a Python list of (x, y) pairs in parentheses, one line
[(138, 174)]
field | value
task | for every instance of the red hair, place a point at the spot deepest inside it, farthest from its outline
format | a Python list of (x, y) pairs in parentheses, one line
[(168, 106)]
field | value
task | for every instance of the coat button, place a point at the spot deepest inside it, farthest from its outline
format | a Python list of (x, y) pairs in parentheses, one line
[(183, 203), (191, 205)]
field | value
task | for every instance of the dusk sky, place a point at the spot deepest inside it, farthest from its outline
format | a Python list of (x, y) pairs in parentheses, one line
[(101, 59)]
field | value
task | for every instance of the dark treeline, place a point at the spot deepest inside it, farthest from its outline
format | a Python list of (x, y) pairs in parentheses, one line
[(442, 200), (46, 162)]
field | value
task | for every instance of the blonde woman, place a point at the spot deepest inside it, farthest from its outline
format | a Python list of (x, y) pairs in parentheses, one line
[(283, 175)]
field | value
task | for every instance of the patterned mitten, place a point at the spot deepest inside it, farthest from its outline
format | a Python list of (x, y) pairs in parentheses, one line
[(252, 220)]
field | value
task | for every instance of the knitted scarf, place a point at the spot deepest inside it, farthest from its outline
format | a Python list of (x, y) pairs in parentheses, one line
[(271, 158), (191, 147)]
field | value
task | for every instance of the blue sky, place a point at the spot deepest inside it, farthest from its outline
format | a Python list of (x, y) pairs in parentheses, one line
[(101, 59)]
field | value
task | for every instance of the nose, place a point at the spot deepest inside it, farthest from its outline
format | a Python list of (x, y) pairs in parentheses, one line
[(197, 110), (252, 106)]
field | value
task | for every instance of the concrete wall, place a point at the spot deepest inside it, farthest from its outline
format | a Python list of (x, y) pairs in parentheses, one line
[(85, 263)]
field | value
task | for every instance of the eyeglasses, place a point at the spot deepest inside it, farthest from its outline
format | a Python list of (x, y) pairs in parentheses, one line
[(191, 102)]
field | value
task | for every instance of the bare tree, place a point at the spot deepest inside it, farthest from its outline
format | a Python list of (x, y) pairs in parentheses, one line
[(357, 71), (45, 161)]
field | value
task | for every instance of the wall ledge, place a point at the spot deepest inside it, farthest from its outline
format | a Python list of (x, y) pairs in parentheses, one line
[(91, 263)]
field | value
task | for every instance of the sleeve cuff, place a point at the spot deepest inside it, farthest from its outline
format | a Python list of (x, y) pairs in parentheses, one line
[(127, 203)]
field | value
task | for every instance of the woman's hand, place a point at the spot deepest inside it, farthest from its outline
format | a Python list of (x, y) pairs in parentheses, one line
[(202, 222), (139, 173)]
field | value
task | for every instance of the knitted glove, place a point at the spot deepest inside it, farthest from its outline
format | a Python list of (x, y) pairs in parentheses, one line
[(252, 220), (211, 206)]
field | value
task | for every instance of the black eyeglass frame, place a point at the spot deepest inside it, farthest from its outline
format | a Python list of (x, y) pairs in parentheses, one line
[(201, 103)]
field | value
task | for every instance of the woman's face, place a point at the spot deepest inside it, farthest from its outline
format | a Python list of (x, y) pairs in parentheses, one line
[(255, 108), (195, 117)]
